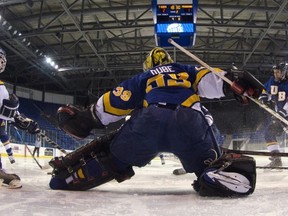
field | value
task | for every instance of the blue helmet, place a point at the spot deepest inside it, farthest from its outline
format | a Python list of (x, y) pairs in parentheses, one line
[(283, 67)]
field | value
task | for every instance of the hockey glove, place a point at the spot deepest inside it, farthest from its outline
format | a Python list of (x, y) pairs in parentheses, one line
[(78, 122), (264, 98), (26, 124), (9, 106)]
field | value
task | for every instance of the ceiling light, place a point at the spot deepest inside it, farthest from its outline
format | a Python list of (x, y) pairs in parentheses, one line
[(48, 59)]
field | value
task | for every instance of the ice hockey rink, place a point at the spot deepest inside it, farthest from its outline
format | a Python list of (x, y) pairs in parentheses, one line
[(153, 191)]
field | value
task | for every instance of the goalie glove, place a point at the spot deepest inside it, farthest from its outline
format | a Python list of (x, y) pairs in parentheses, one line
[(26, 124), (78, 122), (9, 107)]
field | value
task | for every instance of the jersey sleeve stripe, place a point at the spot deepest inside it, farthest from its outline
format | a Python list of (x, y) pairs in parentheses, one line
[(108, 108), (201, 74), (191, 100)]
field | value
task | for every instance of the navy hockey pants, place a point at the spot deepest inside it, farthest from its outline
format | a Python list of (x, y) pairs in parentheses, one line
[(181, 131)]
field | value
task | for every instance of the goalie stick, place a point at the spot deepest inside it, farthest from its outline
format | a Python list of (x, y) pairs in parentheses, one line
[(265, 107)]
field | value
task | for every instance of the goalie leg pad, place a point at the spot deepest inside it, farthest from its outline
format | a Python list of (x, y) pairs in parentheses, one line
[(91, 174), (84, 178), (89, 166), (101, 145), (231, 175)]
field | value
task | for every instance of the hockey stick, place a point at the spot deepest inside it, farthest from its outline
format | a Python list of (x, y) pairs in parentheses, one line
[(51, 142), (271, 168), (261, 153), (41, 167), (272, 112), (33, 156)]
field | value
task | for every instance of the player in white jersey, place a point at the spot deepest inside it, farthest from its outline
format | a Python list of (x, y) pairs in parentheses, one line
[(9, 104)]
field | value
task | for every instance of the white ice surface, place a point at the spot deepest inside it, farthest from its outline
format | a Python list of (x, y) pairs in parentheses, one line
[(153, 191)]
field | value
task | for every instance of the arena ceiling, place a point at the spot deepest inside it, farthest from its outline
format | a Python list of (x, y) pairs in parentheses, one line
[(99, 43)]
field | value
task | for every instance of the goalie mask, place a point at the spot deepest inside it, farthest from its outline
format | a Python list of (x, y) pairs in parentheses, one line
[(157, 56), (3, 60), (283, 68)]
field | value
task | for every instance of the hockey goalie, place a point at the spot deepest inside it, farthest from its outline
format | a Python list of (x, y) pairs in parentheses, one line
[(166, 116)]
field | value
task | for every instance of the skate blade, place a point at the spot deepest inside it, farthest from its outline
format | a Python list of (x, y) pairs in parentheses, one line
[(14, 184), (45, 167)]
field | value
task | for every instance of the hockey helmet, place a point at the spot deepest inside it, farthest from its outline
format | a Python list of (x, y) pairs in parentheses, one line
[(3, 60), (157, 56), (283, 67)]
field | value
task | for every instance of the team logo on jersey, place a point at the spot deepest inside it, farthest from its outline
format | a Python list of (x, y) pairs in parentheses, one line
[(281, 94)]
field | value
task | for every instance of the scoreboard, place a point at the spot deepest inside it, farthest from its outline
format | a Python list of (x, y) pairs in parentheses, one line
[(175, 19)]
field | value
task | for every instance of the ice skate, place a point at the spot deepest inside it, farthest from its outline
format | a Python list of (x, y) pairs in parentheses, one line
[(162, 160), (275, 162), (10, 180), (179, 171)]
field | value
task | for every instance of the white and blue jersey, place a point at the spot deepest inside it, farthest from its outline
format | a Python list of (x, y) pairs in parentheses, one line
[(277, 92)]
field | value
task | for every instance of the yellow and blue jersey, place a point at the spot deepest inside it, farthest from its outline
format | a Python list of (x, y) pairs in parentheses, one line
[(172, 83)]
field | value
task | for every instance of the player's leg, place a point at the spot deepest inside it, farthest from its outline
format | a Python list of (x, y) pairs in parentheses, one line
[(34, 151), (38, 151), (216, 177), (271, 132), (161, 155), (5, 139)]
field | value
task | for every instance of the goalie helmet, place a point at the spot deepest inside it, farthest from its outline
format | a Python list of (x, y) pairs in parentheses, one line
[(283, 67), (157, 56), (3, 60)]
